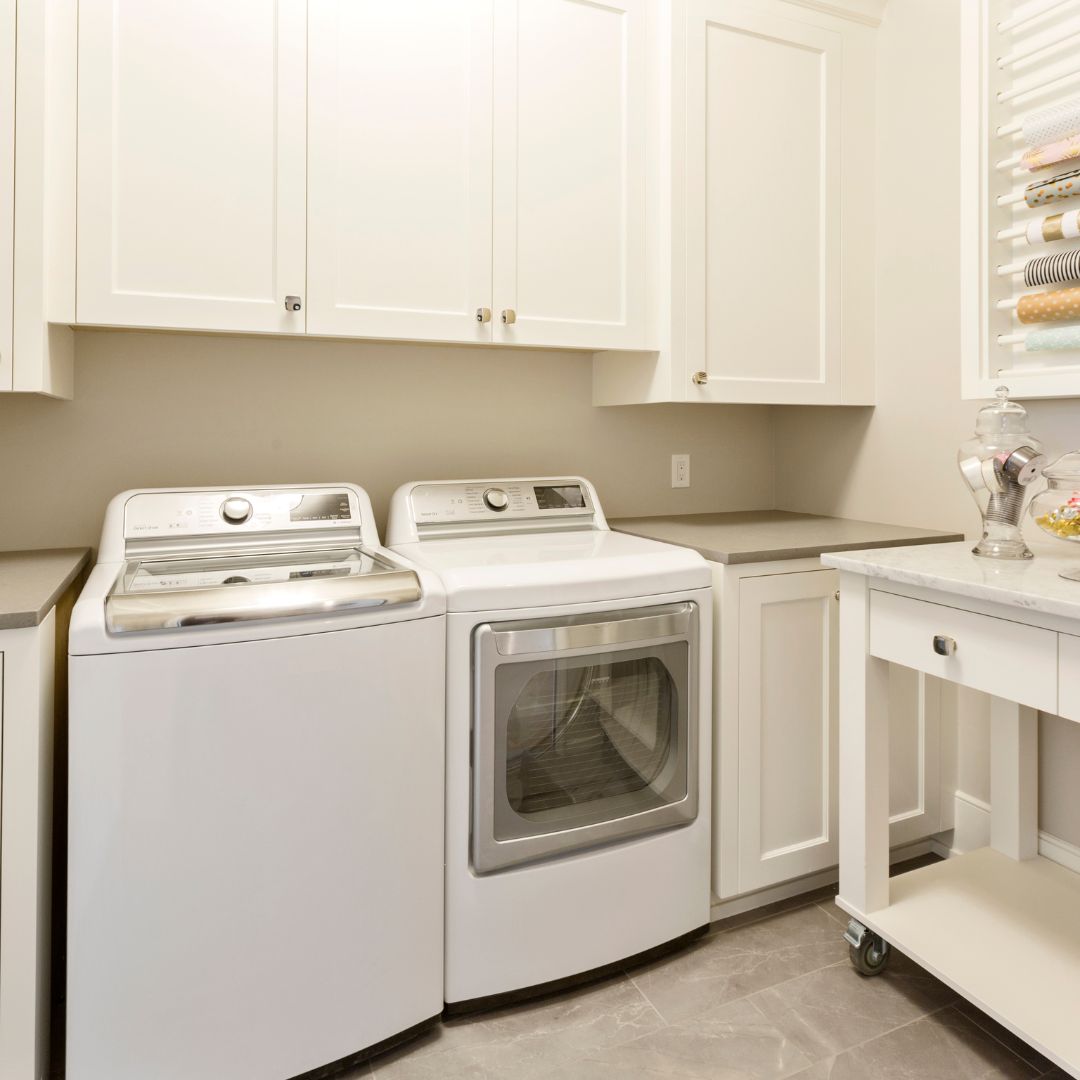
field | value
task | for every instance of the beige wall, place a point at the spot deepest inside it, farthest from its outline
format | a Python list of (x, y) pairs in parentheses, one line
[(168, 409), (896, 462)]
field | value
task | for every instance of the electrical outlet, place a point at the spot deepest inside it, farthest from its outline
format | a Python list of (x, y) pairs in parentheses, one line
[(680, 470)]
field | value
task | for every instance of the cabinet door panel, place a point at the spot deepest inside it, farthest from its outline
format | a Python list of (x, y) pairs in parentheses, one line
[(7, 186), (787, 726), (569, 172), (763, 205), (191, 201), (399, 169)]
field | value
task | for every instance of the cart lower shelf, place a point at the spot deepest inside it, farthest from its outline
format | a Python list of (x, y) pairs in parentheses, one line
[(1004, 934)]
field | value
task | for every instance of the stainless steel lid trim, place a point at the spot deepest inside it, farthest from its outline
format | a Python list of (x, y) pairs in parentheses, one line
[(139, 612)]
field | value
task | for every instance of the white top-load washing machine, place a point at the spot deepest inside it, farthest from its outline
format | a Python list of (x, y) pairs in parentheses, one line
[(578, 730), (256, 788)]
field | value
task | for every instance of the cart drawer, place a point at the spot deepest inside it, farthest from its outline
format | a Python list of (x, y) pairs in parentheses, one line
[(1007, 659), (1069, 681)]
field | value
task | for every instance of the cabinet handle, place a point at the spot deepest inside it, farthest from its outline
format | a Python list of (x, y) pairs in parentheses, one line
[(509, 316), (944, 646), (292, 303), (836, 596), (483, 314)]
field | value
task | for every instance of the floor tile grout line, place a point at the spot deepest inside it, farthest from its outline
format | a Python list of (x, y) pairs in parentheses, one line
[(760, 918)]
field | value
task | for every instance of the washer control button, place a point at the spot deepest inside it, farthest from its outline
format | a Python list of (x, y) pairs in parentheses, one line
[(496, 499), (236, 510)]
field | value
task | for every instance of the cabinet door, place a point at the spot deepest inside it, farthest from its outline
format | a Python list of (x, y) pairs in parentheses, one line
[(7, 186), (399, 168), (763, 127), (788, 636), (191, 202), (569, 225), (788, 675)]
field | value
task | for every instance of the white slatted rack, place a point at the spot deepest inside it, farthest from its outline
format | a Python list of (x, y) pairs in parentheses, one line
[(1018, 57)]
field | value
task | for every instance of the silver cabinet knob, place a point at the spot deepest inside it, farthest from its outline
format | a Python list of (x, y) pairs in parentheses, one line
[(509, 316), (483, 314), (236, 510), (836, 596), (943, 645), (292, 303)]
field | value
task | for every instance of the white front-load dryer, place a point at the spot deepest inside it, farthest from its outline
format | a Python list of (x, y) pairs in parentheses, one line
[(578, 731), (256, 776)]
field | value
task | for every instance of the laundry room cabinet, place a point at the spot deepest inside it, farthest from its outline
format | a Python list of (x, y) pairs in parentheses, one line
[(191, 170), (776, 768), (761, 236), (37, 195), (465, 171)]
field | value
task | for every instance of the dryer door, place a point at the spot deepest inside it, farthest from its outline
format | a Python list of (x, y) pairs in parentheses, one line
[(584, 732)]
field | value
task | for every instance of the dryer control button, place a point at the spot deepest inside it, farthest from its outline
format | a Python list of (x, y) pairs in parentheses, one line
[(496, 499), (236, 511)]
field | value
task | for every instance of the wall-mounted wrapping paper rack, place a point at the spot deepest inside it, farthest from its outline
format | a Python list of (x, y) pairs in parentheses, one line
[(1018, 58)]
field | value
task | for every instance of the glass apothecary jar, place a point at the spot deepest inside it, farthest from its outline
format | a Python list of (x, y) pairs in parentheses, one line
[(1057, 509)]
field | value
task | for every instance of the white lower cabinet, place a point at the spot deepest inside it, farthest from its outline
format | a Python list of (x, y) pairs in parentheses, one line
[(776, 769), (27, 711)]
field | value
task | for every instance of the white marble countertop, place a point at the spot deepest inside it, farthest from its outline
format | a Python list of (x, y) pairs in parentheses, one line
[(1033, 584)]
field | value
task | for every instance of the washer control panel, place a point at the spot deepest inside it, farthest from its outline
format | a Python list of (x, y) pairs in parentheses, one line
[(500, 502), (164, 514)]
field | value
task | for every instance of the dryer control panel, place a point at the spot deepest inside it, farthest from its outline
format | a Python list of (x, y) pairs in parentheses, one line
[(476, 506)]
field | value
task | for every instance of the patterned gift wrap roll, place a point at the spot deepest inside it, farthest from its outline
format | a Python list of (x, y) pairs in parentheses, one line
[(1060, 337), (1054, 227), (1052, 153), (1052, 123), (1053, 269), (1056, 306), (1062, 186)]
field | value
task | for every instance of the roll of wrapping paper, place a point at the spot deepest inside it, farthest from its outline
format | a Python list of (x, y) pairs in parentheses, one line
[(1051, 154), (1053, 269), (1059, 337), (1052, 123), (1063, 186), (1056, 306), (1054, 227)]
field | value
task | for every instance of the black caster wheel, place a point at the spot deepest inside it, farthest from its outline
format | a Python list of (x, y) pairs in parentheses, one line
[(871, 955)]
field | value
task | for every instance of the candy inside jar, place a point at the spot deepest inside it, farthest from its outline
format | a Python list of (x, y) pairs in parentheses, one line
[(1057, 509)]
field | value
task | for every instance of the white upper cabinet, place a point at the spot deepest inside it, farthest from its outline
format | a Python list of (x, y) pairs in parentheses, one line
[(191, 183), (7, 186), (763, 212), (569, 173), (399, 168), (763, 205)]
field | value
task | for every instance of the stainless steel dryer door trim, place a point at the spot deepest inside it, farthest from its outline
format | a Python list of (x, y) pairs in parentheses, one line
[(639, 633)]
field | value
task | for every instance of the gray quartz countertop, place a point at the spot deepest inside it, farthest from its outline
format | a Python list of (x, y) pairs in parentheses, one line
[(32, 581), (747, 536)]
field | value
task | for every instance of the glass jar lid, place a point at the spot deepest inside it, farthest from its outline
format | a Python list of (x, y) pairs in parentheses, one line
[(1067, 467), (1002, 416)]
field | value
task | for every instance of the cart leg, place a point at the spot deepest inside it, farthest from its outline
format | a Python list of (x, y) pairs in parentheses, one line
[(1014, 779), (864, 755)]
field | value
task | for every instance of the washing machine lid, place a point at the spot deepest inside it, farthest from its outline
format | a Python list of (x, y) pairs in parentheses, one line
[(175, 593), (494, 573)]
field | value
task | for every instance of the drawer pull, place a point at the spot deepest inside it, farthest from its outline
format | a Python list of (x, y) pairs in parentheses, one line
[(944, 646)]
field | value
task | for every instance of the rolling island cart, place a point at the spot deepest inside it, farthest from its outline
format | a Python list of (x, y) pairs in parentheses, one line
[(1000, 925)]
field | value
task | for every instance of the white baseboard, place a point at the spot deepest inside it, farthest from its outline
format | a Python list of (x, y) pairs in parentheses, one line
[(973, 831), (736, 905)]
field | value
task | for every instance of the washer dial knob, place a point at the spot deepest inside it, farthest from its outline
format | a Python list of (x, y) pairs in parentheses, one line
[(236, 510), (496, 499)]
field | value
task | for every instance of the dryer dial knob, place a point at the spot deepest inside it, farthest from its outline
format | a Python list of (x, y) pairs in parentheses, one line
[(236, 511), (496, 499)]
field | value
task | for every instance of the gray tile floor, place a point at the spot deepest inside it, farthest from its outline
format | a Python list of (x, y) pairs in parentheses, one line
[(767, 995)]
